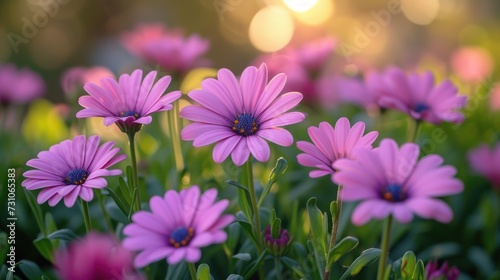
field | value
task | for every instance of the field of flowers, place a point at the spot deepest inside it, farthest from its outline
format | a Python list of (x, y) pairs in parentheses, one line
[(309, 139)]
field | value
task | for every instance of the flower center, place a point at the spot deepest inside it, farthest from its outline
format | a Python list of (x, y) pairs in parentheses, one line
[(181, 237), (420, 107), (129, 114), (395, 193), (245, 124), (76, 176)]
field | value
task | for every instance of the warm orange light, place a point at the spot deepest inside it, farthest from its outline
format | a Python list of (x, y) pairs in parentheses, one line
[(300, 5), (271, 29), (318, 14), (421, 12)]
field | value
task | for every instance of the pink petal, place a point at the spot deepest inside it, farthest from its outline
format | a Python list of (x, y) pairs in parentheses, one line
[(177, 255), (276, 135), (193, 254), (369, 209), (240, 153), (283, 119), (213, 136), (225, 147), (70, 199), (431, 208), (259, 148)]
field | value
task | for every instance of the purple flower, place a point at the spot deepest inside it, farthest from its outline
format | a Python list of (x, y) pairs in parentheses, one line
[(486, 162), (96, 256), (331, 144), (392, 181), (178, 225), (277, 246), (19, 86), (168, 48), (128, 102), (417, 96), (72, 169), (75, 77), (434, 272), (240, 116)]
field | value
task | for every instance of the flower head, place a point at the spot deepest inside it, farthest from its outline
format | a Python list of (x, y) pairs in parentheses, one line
[(178, 225), (19, 86), (331, 144), (128, 102), (434, 272), (417, 96), (76, 77), (168, 48), (277, 246), (72, 169), (486, 162), (240, 116), (392, 181), (96, 256)]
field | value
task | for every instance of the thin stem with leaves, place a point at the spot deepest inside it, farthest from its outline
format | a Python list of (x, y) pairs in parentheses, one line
[(385, 248), (135, 178), (86, 215), (335, 229)]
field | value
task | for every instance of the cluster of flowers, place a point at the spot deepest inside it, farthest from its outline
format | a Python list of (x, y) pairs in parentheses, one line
[(240, 115)]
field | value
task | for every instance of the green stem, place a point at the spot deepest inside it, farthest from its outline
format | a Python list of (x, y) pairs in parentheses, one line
[(192, 271), (385, 248), (413, 129), (253, 197), (277, 264), (335, 229), (86, 215), (107, 220), (131, 139)]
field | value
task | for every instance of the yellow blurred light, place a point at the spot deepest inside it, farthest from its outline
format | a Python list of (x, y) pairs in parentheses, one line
[(271, 29), (107, 133), (317, 14), (43, 125), (300, 5), (421, 12), (194, 78)]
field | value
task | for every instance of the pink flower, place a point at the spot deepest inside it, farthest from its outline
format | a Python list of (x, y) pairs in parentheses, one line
[(495, 97), (314, 55), (75, 77), (168, 48), (472, 64), (96, 256), (19, 86), (392, 181), (178, 225), (445, 272), (240, 116), (72, 169), (330, 144), (486, 162), (128, 102), (417, 96)]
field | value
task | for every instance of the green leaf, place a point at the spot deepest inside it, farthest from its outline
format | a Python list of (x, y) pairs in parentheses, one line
[(130, 178), (275, 229), (35, 208), (124, 207), (247, 228), (367, 257), (63, 234), (116, 213), (124, 190), (235, 277), (30, 269), (293, 265), (243, 256), (343, 247), (244, 199), (316, 223), (177, 271), (4, 247), (408, 265), (233, 236), (419, 273), (134, 197), (278, 170), (44, 246), (255, 265), (203, 272), (10, 275), (334, 209)]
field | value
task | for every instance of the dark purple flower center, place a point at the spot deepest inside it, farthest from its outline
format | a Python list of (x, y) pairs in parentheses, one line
[(181, 237), (76, 176), (245, 124), (129, 114), (420, 107), (394, 193)]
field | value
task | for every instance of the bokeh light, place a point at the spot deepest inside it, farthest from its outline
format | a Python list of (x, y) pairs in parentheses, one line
[(271, 29), (300, 5), (318, 14), (421, 12)]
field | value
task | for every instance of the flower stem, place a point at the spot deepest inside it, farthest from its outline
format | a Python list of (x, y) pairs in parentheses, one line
[(385, 248), (335, 229), (413, 129), (192, 270), (86, 215), (109, 225), (277, 264), (253, 197), (131, 138)]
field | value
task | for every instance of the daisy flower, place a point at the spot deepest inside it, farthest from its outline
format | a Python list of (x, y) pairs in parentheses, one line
[(96, 256), (178, 225), (240, 116), (19, 85), (486, 162), (329, 144), (419, 97), (128, 102), (72, 169), (74, 78), (392, 181)]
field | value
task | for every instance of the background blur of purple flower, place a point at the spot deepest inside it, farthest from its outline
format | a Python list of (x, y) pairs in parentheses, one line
[(177, 227), (72, 169), (486, 162), (434, 272), (96, 256), (19, 85), (170, 49), (74, 78), (392, 181)]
